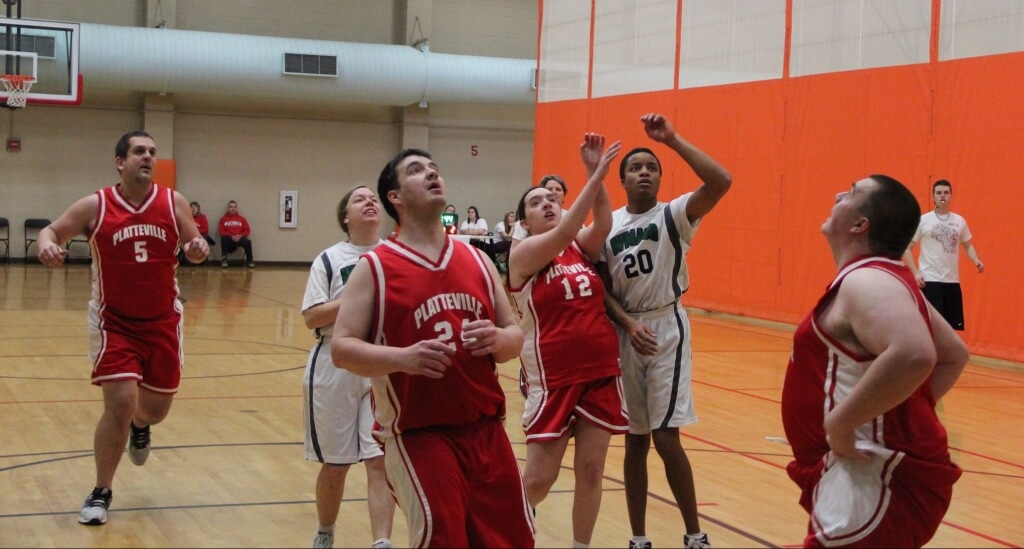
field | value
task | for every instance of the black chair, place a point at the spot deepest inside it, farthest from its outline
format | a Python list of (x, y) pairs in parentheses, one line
[(34, 225), (6, 239), (81, 239)]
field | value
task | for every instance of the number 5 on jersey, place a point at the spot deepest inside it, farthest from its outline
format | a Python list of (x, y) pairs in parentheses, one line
[(141, 254)]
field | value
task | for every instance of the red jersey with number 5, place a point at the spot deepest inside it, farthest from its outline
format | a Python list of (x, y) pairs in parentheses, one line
[(134, 254), (418, 299)]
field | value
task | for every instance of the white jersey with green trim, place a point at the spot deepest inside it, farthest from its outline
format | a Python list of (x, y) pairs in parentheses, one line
[(328, 275), (646, 255)]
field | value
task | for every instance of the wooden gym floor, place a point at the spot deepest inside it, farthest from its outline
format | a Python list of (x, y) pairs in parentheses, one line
[(227, 467)]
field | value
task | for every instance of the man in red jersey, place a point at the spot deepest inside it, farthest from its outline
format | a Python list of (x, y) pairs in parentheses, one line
[(135, 228), (234, 234), (868, 364), (425, 316)]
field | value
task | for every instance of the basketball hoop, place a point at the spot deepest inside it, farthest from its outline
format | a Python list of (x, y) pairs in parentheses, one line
[(17, 87)]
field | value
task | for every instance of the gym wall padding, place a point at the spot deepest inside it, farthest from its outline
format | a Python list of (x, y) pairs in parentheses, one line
[(166, 173), (791, 144)]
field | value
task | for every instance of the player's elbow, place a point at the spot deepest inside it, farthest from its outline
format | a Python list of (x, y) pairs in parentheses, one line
[(349, 353), (957, 354), (340, 353), (724, 182), (919, 358), (308, 318), (511, 345)]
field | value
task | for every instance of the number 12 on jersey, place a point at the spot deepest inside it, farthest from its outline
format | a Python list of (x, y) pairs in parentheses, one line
[(583, 284)]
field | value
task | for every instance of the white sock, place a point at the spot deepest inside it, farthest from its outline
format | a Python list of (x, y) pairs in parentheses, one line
[(578, 545), (325, 529), (639, 540)]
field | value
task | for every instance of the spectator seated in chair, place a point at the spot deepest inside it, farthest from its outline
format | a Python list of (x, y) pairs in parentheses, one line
[(234, 234), (502, 241), (474, 225), (203, 224)]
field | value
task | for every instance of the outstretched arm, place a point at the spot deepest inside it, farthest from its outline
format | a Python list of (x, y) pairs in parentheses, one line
[(532, 254), (716, 180), (591, 237)]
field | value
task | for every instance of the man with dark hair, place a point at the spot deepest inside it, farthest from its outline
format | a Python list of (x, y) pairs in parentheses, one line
[(135, 228), (940, 231), (644, 269), (424, 315), (868, 364)]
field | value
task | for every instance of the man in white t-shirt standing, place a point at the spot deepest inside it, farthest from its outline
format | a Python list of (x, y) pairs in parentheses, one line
[(939, 233)]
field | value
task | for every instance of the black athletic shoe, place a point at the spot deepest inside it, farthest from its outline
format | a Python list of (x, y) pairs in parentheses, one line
[(138, 444)]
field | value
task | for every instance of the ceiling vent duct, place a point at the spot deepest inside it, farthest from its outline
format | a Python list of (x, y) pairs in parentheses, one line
[(138, 59)]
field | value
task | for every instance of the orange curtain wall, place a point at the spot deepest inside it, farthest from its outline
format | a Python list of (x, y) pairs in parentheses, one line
[(792, 144)]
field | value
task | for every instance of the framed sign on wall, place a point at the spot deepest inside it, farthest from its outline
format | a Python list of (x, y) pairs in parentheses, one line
[(289, 213)]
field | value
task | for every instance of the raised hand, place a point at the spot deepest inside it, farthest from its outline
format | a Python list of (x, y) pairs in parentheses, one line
[(604, 163), (658, 127), (590, 150)]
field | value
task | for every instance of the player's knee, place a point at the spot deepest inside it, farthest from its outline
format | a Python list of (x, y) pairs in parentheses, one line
[(121, 405), (375, 464), (666, 441), (539, 480), (638, 445), (590, 472), (122, 410), (334, 473), (153, 416)]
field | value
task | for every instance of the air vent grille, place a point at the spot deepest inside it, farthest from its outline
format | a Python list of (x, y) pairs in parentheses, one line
[(312, 65)]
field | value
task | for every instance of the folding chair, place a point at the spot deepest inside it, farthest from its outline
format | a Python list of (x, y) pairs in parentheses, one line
[(35, 225), (81, 239), (6, 239)]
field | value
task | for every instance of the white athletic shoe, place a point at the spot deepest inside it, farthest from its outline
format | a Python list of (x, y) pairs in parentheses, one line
[(94, 510), (323, 540), (696, 541)]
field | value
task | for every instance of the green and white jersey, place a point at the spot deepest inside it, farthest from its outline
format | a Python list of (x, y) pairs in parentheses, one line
[(329, 274), (646, 255)]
